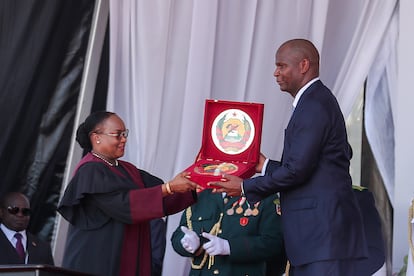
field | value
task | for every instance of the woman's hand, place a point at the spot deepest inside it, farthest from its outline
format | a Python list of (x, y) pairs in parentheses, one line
[(182, 183)]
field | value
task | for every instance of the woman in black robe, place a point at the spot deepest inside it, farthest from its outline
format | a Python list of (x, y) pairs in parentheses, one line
[(109, 203)]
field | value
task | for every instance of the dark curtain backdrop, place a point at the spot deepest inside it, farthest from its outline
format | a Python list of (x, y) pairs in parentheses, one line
[(42, 50)]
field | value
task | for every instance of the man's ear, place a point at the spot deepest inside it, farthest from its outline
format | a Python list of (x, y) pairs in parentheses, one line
[(304, 65)]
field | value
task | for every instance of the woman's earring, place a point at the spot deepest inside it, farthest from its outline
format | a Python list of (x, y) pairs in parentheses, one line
[(98, 142)]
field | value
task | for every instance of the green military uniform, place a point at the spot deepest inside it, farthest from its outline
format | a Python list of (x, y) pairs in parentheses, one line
[(253, 232)]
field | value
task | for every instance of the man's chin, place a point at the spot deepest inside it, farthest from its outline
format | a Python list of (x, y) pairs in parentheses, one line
[(19, 227), (282, 87)]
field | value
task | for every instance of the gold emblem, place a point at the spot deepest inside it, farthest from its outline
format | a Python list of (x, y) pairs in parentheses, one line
[(216, 169), (232, 131)]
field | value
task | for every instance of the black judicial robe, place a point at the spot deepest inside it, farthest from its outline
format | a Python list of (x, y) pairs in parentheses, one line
[(109, 210)]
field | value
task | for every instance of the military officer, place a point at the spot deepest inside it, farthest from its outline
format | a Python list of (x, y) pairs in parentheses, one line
[(228, 236)]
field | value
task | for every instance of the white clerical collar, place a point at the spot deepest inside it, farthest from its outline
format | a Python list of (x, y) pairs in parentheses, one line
[(300, 92)]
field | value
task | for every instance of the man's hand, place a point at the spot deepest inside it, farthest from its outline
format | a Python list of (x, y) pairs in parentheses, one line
[(190, 241), (216, 245), (232, 186)]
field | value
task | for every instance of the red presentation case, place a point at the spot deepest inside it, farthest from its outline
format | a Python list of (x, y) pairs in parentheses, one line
[(231, 141)]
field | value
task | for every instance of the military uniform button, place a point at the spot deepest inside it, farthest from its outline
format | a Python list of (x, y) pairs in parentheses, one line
[(200, 218), (216, 272), (220, 231)]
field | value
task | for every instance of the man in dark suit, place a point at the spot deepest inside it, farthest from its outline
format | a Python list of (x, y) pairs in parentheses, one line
[(373, 231), (322, 223), (17, 245)]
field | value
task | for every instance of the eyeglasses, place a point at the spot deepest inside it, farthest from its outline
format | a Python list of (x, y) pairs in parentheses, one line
[(13, 210), (117, 135)]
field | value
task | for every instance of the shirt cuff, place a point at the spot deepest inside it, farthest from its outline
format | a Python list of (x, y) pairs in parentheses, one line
[(264, 166)]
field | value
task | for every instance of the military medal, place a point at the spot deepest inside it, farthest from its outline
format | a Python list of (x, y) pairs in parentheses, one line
[(230, 211), (248, 211), (239, 209), (255, 211)]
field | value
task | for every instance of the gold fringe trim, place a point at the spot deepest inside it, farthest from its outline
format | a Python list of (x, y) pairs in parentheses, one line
[(214, 231)]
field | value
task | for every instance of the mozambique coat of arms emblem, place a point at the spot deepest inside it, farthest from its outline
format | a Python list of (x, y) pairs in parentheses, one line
[(233, 131)]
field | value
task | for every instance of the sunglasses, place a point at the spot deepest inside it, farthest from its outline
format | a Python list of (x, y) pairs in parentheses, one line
[(15, 210)]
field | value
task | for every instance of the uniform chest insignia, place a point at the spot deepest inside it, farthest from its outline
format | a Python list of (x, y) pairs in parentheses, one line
[(244, 221)]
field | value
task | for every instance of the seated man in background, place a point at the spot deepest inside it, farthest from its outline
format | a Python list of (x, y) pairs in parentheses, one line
[(228, 236), (17, 245)]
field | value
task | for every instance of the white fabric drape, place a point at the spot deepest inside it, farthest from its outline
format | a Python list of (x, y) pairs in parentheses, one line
[(167, 57), (379, 105), (410, 257)]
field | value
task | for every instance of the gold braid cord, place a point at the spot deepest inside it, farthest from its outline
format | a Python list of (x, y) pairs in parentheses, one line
[(214, 231), (287, 268), (410, 228)]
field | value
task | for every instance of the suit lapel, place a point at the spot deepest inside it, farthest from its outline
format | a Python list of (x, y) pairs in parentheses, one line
[(31, 248), (8, 253)]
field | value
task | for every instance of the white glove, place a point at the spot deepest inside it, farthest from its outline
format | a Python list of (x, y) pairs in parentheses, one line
[(216, 245), (190, 241)]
